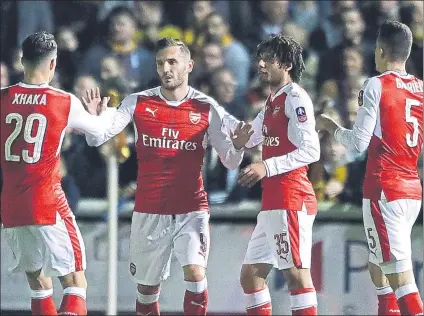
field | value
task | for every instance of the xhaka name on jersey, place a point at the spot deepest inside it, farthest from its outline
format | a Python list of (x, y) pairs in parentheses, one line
[(169, 140), (29, 99)]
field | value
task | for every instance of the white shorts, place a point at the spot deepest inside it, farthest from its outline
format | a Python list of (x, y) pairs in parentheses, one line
[(57, 249), (282, 238), (155, 237), (388, 228)]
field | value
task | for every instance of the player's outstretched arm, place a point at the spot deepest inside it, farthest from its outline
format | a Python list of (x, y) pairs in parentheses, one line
[(359, 137), (257, 137), (79, 119), (221, 130), (114, 120)]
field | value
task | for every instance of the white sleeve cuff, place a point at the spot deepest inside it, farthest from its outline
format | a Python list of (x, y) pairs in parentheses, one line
[(337, 134), (270, 167)]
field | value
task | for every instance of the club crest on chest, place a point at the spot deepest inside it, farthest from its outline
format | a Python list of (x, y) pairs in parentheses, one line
[(195, 117)]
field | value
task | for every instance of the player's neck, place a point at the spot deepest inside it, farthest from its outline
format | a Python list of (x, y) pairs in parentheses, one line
[(35, 78), (396, 67), (177, 94), (277, 87)]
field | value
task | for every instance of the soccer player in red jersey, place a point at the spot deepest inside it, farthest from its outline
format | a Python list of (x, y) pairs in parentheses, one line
[(173, 124), (38, 223), (283, 235), (390, 125)]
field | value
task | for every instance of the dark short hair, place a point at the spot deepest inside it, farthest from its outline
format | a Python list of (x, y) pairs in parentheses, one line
[(396, 40), (171, 42), (286, 51), (37, 46)]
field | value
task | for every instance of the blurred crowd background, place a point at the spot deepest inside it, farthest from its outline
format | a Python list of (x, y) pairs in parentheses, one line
[(110, 44)]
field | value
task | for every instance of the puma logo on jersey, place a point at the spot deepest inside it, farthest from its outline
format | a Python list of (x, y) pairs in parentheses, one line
[(153, 112), (285, 258), (26, 99), (202, 305)]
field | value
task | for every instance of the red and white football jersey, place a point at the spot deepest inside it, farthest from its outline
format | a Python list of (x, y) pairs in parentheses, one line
[(390, 125), (171, 138), (33, 119), (286, 129)]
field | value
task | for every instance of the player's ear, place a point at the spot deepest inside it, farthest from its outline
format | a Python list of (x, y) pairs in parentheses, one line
[(52, 64), (288, 66), (190, 65), (382, 52)]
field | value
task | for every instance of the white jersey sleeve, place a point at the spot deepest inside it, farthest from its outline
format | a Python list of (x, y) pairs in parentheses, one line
[(257, 137), (359, 137), (301, 132), (115, 120), (221, 124), (81, 120)]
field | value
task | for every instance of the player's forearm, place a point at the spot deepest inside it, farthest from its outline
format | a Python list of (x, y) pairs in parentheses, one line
[(350, 140), (232, 158), (113, 122), (296, 159), (255, 140)]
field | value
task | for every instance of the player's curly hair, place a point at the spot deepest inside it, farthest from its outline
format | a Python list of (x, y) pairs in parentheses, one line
[(37, 46), (286, 51)]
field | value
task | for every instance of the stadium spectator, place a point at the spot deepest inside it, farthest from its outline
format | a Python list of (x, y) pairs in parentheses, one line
[(209, 58), (255, 99), (82, 17), (329, 175), (152, 23), (138, 62), (198, 13), (328, 34), (69, 184), (4, 75), (236, 56), (223, 88), (305, 14), (16, 69), (70, 56), (34, 16), (310, 57), (331, 61), (112, 79), (268, 20), (412, 15)]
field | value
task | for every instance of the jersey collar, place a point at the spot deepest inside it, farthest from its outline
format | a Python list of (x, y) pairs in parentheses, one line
[(177, 103), (397, 74), (283, 89), (33, 86)]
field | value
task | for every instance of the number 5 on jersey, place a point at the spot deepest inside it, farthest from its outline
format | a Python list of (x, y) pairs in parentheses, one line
[(37, 140), (412, 141)]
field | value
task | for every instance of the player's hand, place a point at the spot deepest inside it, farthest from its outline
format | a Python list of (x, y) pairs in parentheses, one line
[(93, 102), (333, 188), (326, 123), (241, 135), (252, 174)]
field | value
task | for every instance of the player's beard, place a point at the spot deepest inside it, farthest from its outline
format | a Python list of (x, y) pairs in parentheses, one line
[(173, 84), (264, 77)]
